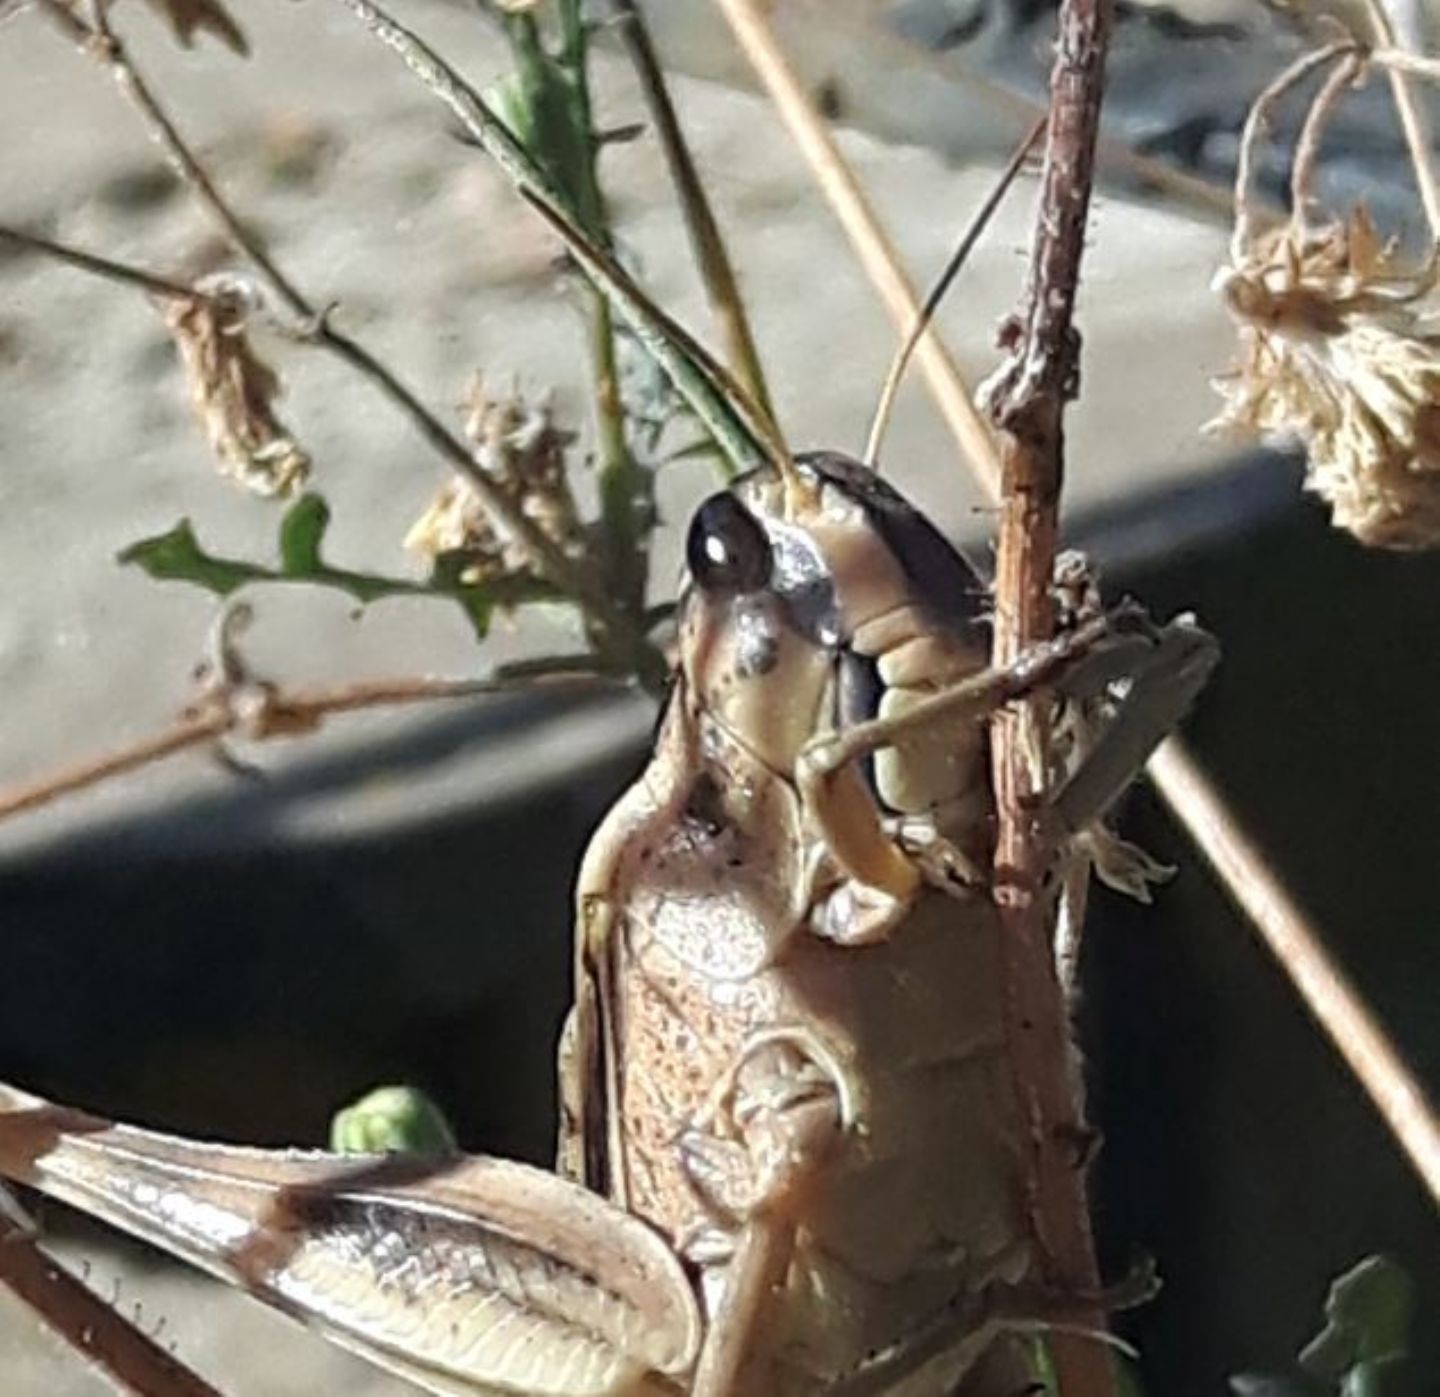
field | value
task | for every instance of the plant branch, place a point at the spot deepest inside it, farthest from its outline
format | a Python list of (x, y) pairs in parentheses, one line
[(1240, 866), (698, 379), (1297, 945), (750, 22), (618, 633), (105, 267), (716, 270), (626, 491), (98, 1332), (1412, 118), (103, 45), (1403, 61), (1257, 123), (1337, 83), (258, 711), (1028, 406)]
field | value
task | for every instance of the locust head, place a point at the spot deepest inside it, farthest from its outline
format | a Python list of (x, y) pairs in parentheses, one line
[(810, 597)]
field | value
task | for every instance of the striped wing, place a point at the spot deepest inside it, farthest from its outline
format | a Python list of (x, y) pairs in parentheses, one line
[(466, 1275)]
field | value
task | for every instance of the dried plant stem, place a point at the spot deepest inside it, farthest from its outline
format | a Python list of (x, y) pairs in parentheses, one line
[(104, 46), (279, 714), (616, 631), (1403, 61), (1296, 943), (711, 256), (751, 24), (1412, 117), (746, 439), (98, 1332), (624, 486), (1337, 83), (1028, 407), (1257, 123), (1242, 867), (186, 733), (105, 267)]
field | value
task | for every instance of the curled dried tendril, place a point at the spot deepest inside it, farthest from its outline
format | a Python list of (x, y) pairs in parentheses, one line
[(232, 390), (518, 445), (1337, 354)]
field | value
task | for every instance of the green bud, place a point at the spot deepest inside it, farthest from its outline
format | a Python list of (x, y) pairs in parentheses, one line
[(392, 1120)]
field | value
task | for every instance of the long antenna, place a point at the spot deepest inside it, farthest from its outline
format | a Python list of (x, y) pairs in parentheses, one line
[(937, 292)]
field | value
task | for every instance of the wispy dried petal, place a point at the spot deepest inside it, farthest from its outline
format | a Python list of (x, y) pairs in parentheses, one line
[(522, 450), (232, 391), (1337, 355)]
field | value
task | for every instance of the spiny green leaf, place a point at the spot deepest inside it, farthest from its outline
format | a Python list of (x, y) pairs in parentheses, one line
[(302, 531), (1369, 1310), (177, 556)]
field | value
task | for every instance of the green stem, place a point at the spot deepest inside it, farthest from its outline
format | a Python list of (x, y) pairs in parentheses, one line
[(626, 489), (722, 287), (695, 377)]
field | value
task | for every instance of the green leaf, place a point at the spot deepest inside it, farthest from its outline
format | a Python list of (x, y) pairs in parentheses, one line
[(302, 531), (692, 370), (177, 556), (1369, 1310), (392, 1120)]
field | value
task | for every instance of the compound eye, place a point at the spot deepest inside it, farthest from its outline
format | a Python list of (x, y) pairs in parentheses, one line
[(727, 550)]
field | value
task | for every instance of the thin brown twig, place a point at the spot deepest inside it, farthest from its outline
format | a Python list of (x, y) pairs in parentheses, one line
[(711, 255), (1257, 122), (106, 48), (1413, 122), (105, 267), (1242, 867), (1337, 83), (1028, 406), (1296, 944), (1403, 61), (277, 714), (98, 1332), (751, 25), (616, 631)]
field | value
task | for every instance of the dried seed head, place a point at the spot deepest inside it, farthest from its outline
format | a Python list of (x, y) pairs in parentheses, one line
[(232, 390), (1336, 354), (518, 445)]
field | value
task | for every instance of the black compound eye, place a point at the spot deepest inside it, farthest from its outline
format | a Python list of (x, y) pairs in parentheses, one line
[(727, 550)]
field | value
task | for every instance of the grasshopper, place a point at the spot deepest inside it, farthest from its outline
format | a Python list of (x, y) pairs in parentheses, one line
[(787, 1157), (788, 1144)]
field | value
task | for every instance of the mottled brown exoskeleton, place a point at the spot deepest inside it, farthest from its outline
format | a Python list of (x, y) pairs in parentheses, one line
[(787, 1154)]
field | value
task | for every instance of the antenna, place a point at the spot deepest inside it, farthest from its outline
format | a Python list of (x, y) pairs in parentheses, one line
[(937, 292)]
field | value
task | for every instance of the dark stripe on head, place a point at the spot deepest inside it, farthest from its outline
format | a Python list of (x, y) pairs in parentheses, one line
[(944, 584)]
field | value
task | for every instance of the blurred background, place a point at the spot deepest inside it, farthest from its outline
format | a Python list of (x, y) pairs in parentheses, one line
[(390, 900)]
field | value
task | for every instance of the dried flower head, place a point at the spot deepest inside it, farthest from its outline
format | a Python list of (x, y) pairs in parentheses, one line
[(1336, 354), (232, 390), (518, 445)]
